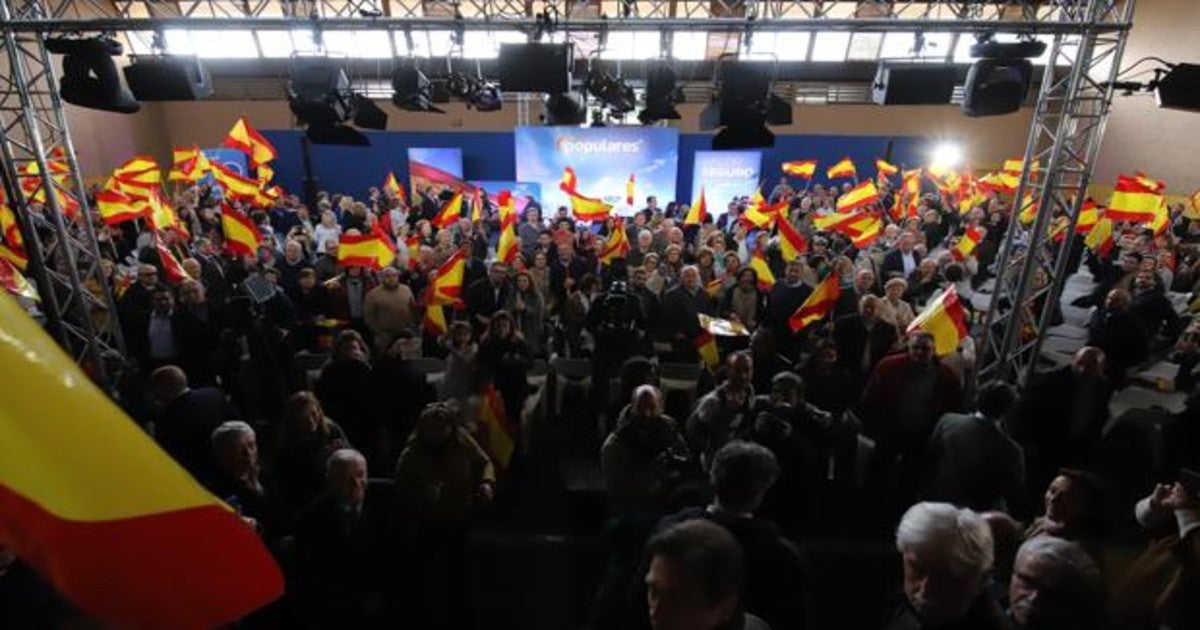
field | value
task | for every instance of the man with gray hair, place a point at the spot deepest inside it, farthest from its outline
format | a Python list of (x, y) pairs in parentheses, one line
[(236, 477), (947, 556), (1055, 585), (681, 306)]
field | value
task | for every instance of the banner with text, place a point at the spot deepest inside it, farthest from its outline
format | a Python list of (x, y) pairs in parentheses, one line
[(603, 159), (724, 176)]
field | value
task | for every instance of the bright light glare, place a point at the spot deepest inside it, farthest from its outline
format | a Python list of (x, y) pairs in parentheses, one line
[(947, 154)]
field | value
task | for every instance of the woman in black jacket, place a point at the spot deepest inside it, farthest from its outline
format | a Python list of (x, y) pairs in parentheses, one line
[(504, 359)]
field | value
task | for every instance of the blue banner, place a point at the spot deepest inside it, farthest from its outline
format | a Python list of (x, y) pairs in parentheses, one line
[(231, 159), (724, 176), (603, 159)]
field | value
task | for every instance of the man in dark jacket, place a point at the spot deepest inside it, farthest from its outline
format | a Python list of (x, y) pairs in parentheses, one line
[(902, 261), (863, 339), (776, 584), (1115, 330), (487, 295), (681, 305), (188, 418), (1151, 308), (784, 299)]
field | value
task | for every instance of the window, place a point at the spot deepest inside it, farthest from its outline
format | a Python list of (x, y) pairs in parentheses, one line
[(281, 44), (229, 44), (830, 46), (431, 44), (486, 44), (864, 46), (364, 44), (789, 46), (632, 45), (689, 45)]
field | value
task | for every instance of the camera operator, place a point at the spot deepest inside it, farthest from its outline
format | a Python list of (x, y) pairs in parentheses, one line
[(615, 324)]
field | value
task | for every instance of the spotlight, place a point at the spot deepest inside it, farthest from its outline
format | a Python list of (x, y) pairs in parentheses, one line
[(661, 94), (744, 107), (482, 95), (613, 92), (987, 47), (564, 108), (90, 76), (1179, 88), (946, 155), (412, 91), (319, 96)]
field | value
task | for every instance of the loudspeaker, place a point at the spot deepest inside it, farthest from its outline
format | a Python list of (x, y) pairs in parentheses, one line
[(175, 78), (1180, 89), (319, 92), (535, 67), (912, 84), (90, 77), (996, 86)]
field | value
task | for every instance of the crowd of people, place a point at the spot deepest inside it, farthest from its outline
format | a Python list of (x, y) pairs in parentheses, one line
[(293, 388)]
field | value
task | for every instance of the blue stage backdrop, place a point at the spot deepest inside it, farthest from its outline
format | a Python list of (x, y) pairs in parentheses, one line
[(603, 159), (490, 156), (724, 175)]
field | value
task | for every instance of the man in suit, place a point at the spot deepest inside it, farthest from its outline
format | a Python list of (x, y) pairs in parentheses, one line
[(902, 261), (971, 461), (848, 302), (863, 338), (187, 419), (784, 299), (487, 295), (681, 306), (1115, 330)]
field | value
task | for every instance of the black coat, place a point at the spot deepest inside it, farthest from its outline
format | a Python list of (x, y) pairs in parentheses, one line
[(1058, 422), (893, 264), (344, 389), (482, 301), (853, 338), (1121, 336), (680, 310), (184, 428)]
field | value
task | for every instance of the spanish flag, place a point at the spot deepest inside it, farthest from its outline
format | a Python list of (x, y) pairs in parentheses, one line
[(584, 208), (697, 213), (434, 320), (188, 164), (162, 216), (967, 243), (364, 250), (1003, 183), (139, 174), (835, 221), (445, 287), (758, 263), (172, 267), (1016, 165), (706, 347), (791, 242), (392, 185), (860, 196), (241, 235), (911, 192), (886, 169), (800, 168), (89, 501), (1161, 220), (500, 435), (265, 174), (629, 189), (508, 247), (235, 186), (819, 303), (246, 139), (945, 319), (477, 206), (1100, 239), (115, 207), (1029, 210), (1134, 199), (413, 243), (760, 215), (15, 255), (1089, 216), (844, 169), (617, 245), (865, 231), (713, 287), (450, 213), (14, 282)]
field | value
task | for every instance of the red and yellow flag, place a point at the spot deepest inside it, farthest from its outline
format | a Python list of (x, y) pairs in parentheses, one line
[(860, 196), (413, 243), (162, 216), (1016, 165), (434, 320), (706, 347), (758, 263), (246, 139), (760, 215), (865, 230), (630, 189), (1134, 199), (885, 168), (819, 303), (844, 169), (500, 435), (800, 168), (477, 206), (1089, 216), (365, 250), (115, 207), (1161, 220), (910, 192), (791, 242), (445, 286), (188, 164), (1029, 210), (1000, 183), (617, 245), (1100, 239), (1192, 210), (14, 282), (713, 287), (584, 208), (122, 531), (242, 237), (392, 185), (450, 213), (509, 246), (945, 319), (698, 212), (172, 266), (967, 243), (235, 186)]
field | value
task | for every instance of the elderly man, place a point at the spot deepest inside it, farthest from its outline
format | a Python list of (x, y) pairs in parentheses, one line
[(721, 412), (863, 338), (487, 295), (694, 580), (1055, 585), (342, 547), (681, 306), (776, 585), (1114, 329), (645, 245), (389, 308), (947, 559), (850, 299), (236, 479), (902, 261), (184, 426)]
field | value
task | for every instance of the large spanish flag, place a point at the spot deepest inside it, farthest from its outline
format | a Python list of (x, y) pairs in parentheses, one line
[(364, 250), (766, 279), (509, 246), (697, 213), (791, 242), (235, 186), (115, 207), (860, 196), (246, 139), (800, 168), (450, 213), (819, 303), (844, 169), (584, 208), (945, 319), (1134, 199), (885, 168), (967, 243), (241, 235), (617, 245), (865, 231), (445, 287), (89, 501)]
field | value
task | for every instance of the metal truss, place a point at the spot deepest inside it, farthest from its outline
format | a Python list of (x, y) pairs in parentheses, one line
[(64, 259), (1064, 139)]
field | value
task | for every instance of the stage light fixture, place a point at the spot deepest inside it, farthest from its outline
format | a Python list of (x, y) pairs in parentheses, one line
[(477, 93), (1026, 47), (946, 154), (564, 108), (996, 86), (662, 94), (613, 92), (320, 97), (1179, 88), (412, 91), (744, 106), (90, 77)]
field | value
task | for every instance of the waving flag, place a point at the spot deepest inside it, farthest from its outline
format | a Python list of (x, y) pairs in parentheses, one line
[(1001, 183), (584, 208), (697, 213), (509, 246), (760, 215), (172, 267), (629, 189), (886, 169), (413, 244), (450, 213), (706, 347), (801, 168), (90, 502), (392, 185), (1135, 199), (617, 245), (162, 216), (967, 243), (758, 263), (445, 287), (1100, 239), (865, 230), (860, 196), (242, 237), (188, 165), (844, 169), (819, 303), (500, 434), (477, 206), (1089, 216), (246, 139), (945, 319), (365, 250), (234, 185), (14, 282), (791, 242)]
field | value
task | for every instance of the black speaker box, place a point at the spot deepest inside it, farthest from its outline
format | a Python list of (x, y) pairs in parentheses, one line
[(1180, 89), (912, 84), (995, 87), (174, 78), (535, 67)]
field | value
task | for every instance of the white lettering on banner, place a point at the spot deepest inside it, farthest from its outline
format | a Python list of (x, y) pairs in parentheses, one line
[(744, 172), (568, 145)]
